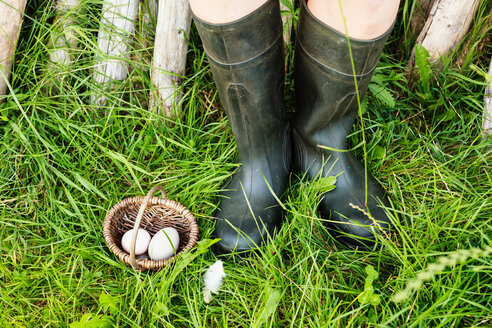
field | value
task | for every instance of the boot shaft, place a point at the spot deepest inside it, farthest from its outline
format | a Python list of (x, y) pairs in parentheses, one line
[(247, 62), (330, 48), (324, 79), (326, 84), (243, 39)]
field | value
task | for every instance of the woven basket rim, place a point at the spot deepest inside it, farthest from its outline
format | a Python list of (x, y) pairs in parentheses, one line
[(163, 202)]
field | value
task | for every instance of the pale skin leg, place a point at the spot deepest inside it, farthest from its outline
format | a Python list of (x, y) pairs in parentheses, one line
[(223, 11), (365, 19)]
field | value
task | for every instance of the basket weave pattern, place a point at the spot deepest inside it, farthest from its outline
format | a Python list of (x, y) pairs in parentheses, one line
[(159, 213)]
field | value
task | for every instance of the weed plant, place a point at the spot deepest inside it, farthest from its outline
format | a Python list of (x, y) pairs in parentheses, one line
[(65, 162)]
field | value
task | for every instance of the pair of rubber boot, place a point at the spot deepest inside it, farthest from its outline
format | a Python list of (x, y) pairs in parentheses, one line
[(247, 61)]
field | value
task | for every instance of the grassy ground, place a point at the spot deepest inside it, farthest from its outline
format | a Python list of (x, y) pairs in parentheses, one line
[(64, 163)]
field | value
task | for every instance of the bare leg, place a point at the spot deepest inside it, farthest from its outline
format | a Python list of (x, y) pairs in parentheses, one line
[(223, 11), (365, 19)]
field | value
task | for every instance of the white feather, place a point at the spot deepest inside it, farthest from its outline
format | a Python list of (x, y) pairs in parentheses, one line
[(213, 279)]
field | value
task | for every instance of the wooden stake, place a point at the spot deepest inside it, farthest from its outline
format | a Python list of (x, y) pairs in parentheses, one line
[(62, 38), (117, 26), (169, 60), (447, 24), (10, 23), (286, 21), (419, 15), (149, 9)]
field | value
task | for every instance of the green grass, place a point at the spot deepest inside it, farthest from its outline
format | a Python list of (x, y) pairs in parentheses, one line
[(65, 163)]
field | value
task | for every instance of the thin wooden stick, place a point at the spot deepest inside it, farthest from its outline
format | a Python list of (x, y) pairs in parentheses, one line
[(117, 26), (10, 23), (169, 60), (487, 111)]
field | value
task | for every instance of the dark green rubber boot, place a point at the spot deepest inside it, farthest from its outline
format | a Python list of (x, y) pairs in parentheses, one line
[(325, 112), (246, 58)]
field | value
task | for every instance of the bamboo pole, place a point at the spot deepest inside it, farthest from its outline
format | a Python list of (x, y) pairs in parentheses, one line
[(10, 23), (169, 60)]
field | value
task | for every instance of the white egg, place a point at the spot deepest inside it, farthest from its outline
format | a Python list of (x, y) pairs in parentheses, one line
[(142, 244), (164, 244)]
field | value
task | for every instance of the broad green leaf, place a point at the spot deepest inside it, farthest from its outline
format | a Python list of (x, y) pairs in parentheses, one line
[(422, 62), (371, 273), (438, 104), (91, 320), (446, 116), (107, 301), (271, 298), (323, 185), (288, 4), (378, 152), (363, 105), (368, 296), (160, 308)]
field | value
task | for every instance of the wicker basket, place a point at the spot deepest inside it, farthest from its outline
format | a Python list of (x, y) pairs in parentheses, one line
[(152, 214)]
